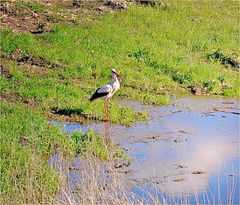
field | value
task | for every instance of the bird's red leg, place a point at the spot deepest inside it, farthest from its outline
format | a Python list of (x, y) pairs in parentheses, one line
[(106, 116), (105, 109)]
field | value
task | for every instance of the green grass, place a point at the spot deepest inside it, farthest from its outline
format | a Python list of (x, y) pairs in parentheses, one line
[(90, 143), (53, 91), (28, 141), (34, 6), (155, 50), (158, 51)]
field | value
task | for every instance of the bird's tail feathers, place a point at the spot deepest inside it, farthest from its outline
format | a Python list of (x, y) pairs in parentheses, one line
[(92, 99)]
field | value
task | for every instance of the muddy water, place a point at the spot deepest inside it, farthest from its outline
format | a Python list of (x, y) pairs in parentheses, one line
[(188, 152)]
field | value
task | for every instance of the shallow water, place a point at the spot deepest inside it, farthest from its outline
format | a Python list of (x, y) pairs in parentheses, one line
[(188, 151)]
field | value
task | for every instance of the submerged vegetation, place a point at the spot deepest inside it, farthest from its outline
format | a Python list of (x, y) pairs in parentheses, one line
[(51, 72)]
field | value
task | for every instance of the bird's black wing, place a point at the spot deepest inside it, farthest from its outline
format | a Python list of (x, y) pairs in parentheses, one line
[(101, 92), (98, 95)]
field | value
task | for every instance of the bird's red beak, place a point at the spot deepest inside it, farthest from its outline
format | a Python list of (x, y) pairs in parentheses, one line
[(119, 76)]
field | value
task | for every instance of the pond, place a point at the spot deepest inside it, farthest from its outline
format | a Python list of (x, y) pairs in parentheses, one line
[(187, 152)]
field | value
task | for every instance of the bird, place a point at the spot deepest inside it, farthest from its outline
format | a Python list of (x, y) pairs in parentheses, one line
[(107, 91)]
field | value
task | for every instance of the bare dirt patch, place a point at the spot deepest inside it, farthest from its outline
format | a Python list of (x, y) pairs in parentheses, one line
[(224, 59), (70, 115), (14, 97), (19, 18), (4, 71), (33, 70), (37, 16), (9, 97), (21, 57)]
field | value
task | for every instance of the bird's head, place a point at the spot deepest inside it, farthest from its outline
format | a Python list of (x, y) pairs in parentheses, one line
[(115, 74)]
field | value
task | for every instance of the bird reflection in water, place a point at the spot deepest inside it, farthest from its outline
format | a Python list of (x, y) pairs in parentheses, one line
[(107, 132)]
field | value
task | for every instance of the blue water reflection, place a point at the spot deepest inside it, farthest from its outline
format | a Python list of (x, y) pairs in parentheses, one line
[(185, 153)]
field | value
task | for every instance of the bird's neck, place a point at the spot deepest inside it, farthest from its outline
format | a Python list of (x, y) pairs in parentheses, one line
[(115, 79)]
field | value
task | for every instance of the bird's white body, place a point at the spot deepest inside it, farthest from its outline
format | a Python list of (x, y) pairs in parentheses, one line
[(110, 88), (115, 85), (107, 91)]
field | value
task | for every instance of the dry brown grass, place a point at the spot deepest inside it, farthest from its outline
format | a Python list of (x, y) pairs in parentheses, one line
[(90, 181)]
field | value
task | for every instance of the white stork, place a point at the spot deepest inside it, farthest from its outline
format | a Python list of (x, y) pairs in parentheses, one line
[(107, 92)]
